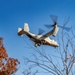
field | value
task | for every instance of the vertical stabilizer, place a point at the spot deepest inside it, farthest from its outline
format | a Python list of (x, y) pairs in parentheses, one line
[(26, 27), (19, 29)]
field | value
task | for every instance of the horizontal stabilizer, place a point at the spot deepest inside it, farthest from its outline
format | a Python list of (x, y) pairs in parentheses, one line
[(21, 31)]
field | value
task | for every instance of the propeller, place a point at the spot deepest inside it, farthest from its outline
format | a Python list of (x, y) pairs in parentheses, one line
[(49, 26), (66, 28), (41, 31), (54, 19)]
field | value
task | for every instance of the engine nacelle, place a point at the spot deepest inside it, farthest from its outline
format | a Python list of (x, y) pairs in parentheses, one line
[(55, 30)]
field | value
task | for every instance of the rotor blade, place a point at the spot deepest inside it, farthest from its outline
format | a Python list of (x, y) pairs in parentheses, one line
[(66, 28), (48, 26), (41, 31), (54, 18)]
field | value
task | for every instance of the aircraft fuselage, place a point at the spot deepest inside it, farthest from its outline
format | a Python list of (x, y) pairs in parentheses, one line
[(40, 41)]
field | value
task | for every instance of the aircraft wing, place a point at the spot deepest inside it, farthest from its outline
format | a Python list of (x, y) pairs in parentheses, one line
[(47, 34)]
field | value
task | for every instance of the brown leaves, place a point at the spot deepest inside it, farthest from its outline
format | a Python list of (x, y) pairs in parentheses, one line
[(8, 65)]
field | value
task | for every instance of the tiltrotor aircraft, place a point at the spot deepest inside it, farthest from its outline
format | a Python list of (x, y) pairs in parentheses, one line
[(40, 39)]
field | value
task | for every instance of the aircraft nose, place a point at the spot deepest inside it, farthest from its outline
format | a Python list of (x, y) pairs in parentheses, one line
[(57, 45)]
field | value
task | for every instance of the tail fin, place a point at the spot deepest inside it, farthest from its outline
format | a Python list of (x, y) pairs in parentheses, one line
[(19, 29), (23, 31), (26, 27)]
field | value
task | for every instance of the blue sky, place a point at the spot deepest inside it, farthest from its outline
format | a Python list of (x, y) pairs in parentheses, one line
[(14, 13)]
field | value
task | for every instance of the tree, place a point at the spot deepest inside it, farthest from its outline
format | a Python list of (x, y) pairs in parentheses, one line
[(8, 65), (61, 62)]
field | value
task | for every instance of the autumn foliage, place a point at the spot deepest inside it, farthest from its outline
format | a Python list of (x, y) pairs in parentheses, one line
[(8, 65)]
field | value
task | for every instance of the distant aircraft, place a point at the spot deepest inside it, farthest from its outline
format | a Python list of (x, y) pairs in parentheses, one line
[(40, 39)]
